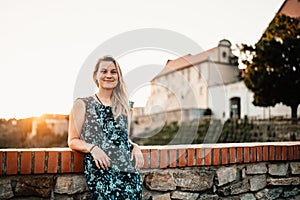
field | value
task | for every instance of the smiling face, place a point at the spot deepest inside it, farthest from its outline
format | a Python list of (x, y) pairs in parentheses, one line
[(108, 77)]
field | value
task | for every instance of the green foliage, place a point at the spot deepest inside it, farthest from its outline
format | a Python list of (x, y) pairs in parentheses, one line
[(273, 65), (233, 131), (207, 112), (158, 136)]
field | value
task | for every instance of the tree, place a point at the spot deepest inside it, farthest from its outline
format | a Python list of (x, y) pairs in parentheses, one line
[(273, 65)]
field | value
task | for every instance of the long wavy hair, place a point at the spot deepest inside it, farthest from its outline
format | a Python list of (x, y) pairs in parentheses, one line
[(120, 103)]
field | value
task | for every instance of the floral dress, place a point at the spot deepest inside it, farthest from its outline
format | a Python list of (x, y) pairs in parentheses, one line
[(121, 180)]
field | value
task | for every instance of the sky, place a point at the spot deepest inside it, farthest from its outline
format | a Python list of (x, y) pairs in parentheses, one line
[(44, 44)]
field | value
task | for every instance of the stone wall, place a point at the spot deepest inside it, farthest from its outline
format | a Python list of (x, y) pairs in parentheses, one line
[(230, 131), (216, 171)]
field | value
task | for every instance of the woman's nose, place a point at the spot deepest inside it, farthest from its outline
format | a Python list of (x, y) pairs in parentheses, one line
[(109, 75)]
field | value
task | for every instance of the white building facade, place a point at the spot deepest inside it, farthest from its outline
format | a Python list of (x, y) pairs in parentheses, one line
[(238, 104), (184, 83), (208, 80)]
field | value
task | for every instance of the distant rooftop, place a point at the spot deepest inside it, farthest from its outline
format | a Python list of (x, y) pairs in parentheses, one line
[(186, 61), (290, 8)]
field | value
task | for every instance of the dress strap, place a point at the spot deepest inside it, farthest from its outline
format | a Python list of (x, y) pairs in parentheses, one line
[(98, 99)]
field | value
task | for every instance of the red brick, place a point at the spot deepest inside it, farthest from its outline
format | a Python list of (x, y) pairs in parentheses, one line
[(163, 158), (207, 156), (11, 162), (154, 158), (224, 156), (66, 161), (278, 153), (266, 153), (78, 161), (26, 162), (1, 152), (272, 153), (216, 160), (146, 160), (232, 154), (259, 153), (39, 162), (246, 155), (182, 157), (199, 157), (290, 153), (52, 161), (191, 157), (239, 156), (173, 158), (284, 151), (296, 153), (253, 154)]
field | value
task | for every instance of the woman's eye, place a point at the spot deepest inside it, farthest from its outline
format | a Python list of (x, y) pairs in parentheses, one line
[(113, 72)]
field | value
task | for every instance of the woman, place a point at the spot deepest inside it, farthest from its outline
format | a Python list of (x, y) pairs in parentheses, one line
[(98, 127)]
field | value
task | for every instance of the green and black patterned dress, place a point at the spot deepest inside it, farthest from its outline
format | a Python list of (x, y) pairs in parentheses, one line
[(121, 180)]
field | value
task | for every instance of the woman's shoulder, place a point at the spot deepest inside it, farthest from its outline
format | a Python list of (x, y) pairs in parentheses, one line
[(83, 99), (81, 102)]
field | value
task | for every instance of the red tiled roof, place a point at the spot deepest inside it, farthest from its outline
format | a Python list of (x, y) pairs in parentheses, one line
[(290, 8), (185, 61)]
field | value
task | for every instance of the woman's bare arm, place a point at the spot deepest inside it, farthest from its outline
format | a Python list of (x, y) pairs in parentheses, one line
[(76, 120)]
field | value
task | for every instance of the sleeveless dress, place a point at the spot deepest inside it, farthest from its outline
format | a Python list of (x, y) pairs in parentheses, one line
[(121, 180)]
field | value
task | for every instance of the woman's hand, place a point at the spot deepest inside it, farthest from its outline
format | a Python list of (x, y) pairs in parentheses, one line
[(100, 158), (137, 155)]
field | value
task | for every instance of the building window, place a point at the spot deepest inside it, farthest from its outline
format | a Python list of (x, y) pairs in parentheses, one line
[(224, 54), (235, 107)]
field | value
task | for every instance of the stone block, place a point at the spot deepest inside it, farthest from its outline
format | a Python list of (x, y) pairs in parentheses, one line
[(146, 194), (208, 197), (284, 181), (184, 195), (5, 189), (290, 193), (224, 191), (236, 188), (272, 193), (243, 173), (194, 180), (161, 197), (160, 181), (226, 175), (240, 187), (248, 196), (84, 196), (34, 186), (258, 182), (229, 198), (70, 184), (295, 167), (278, 169), (258, 168), (63, 197)]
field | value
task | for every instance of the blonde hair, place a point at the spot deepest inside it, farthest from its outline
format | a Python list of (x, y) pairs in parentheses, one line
[(120, 103)]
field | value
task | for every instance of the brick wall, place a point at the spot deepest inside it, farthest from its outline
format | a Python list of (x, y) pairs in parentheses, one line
[(170, 172)]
